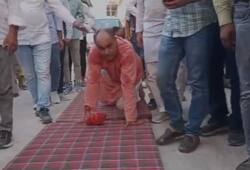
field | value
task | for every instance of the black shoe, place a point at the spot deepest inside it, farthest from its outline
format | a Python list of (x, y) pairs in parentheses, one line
[(23, 87), (189, 143), (169, 136), (5, 139), (152, 104), (244, 165), (213, 128), (45, 116), (37, 113), (236, 138)]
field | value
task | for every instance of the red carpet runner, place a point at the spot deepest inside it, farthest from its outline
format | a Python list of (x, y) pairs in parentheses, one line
[(67, 144)]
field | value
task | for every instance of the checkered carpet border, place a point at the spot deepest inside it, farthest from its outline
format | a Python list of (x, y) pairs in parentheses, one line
[(68, 144)]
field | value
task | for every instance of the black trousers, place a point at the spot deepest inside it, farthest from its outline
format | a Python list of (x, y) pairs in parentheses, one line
[(83, 52), (217, 98), (61, 82)]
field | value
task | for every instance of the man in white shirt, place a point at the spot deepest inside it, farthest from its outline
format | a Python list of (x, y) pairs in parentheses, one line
[(67, 32), (34, 50), (73, 48), (9, 24), (57, 44), (149, 25), (130, 31)]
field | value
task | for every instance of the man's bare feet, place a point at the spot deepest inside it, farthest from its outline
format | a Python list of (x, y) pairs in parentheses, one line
[(135, 123)]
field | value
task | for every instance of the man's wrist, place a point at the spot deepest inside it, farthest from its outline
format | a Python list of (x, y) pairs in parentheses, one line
[(225, 25), (87, 108), (13, 29)]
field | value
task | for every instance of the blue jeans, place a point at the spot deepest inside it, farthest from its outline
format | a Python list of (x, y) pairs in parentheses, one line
[(196, 49), (35, 61), (242, 22), (55, 67)]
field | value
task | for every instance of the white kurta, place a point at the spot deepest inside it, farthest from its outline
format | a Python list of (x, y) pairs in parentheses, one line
[(150, 21), (34, 14), (10, 15)]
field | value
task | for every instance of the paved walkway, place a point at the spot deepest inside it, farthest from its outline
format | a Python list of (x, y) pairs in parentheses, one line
[(26, 124)]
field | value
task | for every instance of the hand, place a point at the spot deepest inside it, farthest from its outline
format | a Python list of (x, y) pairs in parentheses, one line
[(139, 38), (127, 37), (227, 35), (87, 112), (80, 26), (61, 44), (67, 41), (10, 42), (172, 4)]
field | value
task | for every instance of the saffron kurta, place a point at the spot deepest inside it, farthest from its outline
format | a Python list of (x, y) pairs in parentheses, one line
[(108, 81)]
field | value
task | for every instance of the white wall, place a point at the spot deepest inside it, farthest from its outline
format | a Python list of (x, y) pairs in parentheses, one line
[(122, 10), (99, 9)]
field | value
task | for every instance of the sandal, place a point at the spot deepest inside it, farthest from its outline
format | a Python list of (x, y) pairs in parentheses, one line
[(169, 136)]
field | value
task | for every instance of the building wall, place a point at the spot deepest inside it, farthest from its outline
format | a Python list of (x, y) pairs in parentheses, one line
[(99, 8)]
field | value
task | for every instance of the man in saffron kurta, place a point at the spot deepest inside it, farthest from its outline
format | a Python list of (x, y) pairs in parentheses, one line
[(114, 72)]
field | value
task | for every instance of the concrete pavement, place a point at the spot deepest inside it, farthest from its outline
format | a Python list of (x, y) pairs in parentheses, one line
[(26, 124), (213, 153)]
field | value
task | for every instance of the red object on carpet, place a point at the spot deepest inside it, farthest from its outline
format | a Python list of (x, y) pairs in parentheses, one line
[(96, 119), (67, 145)]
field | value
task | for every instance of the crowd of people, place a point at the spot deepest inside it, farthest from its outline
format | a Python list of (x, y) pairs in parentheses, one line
[(167, 46), (41, 48)]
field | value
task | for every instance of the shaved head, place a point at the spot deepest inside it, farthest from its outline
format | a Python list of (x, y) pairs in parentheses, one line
[(106, 42)]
